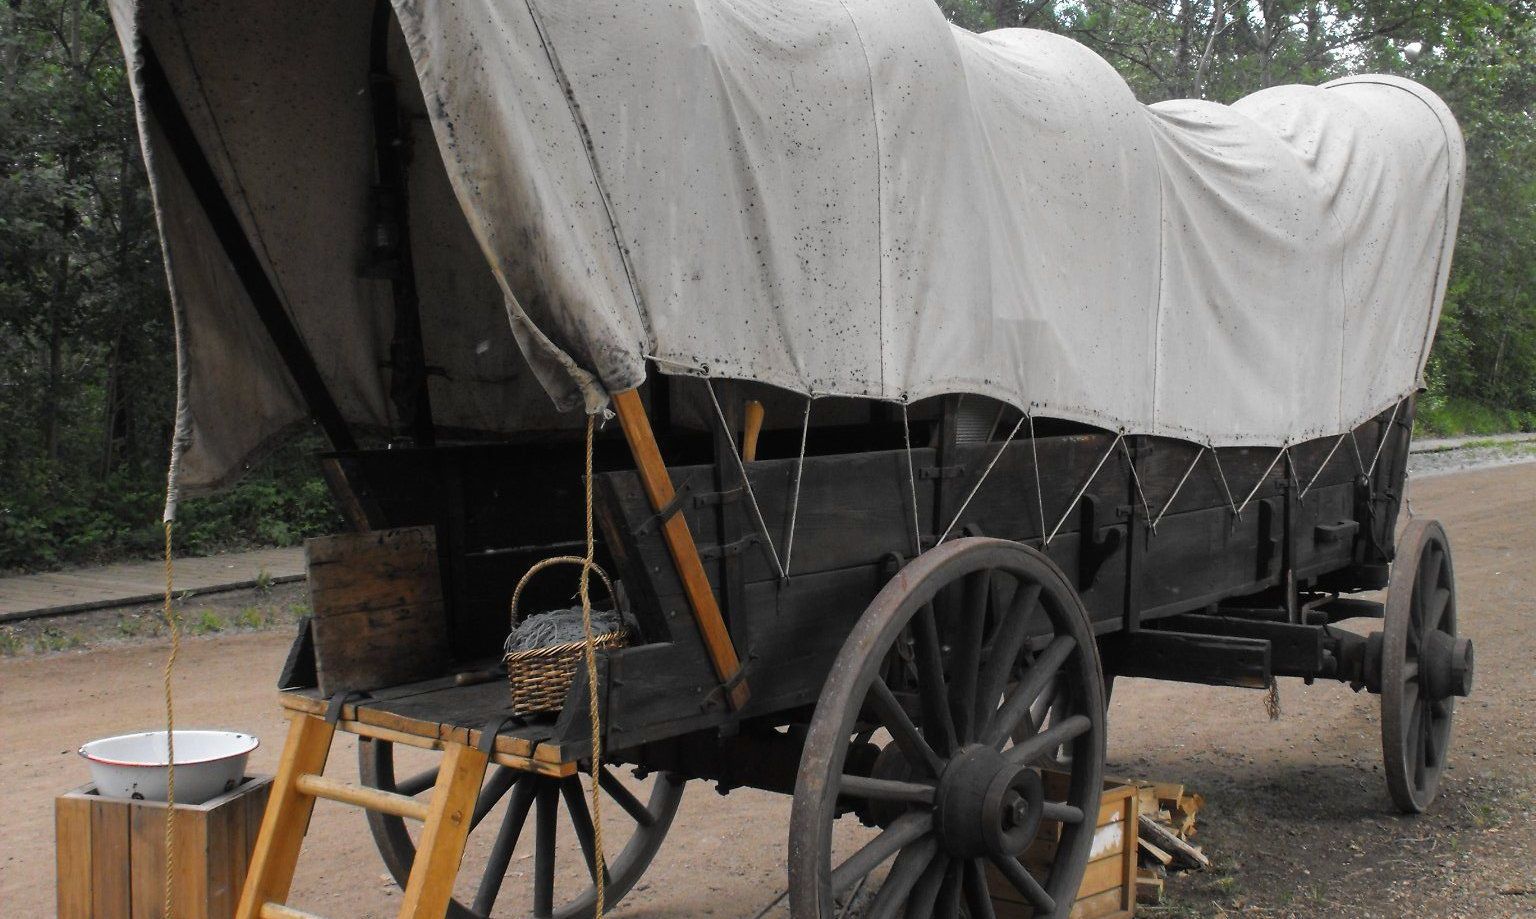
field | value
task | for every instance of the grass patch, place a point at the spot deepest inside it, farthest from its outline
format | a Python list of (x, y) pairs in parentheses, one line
[(53, 639), (1457, 417), (205, 624), (10, 642)]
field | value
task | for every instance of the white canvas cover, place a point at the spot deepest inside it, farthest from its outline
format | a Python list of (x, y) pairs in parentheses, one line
[(844, 197)]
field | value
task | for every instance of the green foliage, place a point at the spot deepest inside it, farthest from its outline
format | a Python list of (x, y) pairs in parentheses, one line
[(205, 624), (1459, 417)]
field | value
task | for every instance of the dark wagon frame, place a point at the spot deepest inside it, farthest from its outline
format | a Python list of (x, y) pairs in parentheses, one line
[(965, 583)]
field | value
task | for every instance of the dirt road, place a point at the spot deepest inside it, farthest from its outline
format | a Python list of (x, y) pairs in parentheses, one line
[(1297, 815)]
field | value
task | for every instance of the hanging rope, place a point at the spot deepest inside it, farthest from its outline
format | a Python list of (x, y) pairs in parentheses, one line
[(600, 869), (170, 722), (794, 505), (984, 473), (906, 436), (746, 481)]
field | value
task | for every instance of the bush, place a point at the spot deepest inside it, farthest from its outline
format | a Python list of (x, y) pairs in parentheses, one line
[(1457, 417)]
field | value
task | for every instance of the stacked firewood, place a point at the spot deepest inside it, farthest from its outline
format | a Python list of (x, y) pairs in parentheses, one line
[(1166, 822)]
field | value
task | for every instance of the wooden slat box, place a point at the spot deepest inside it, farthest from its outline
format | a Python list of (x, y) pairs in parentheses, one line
[(111, 853), (1108, 890)]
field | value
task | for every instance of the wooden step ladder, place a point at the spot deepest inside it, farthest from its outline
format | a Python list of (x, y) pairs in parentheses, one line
[(445, 817)]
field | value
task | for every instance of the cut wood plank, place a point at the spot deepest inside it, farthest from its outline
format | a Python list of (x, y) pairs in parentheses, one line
[(72, 851), (1169, 841), (1159, 855)]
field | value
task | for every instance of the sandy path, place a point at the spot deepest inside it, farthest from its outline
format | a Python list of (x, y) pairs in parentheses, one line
[(1297, 815)]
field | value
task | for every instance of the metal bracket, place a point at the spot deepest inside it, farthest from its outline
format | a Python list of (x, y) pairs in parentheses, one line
[(941, 472), (725, 550), (685, 497)]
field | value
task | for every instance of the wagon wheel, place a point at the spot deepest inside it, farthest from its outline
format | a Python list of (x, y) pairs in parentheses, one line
[(987, 636), (1424, 666), (543, 799)]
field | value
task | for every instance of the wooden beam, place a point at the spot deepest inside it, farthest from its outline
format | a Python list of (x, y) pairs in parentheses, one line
[(685, 552)]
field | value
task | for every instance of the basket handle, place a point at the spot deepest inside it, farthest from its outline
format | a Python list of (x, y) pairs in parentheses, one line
[(522, 582)]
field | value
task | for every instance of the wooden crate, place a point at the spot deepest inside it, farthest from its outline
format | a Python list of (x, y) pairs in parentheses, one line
[(111, 853), (1108, 890)]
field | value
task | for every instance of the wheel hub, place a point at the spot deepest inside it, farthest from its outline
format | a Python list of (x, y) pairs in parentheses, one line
[(987, 805), (1445, 663)]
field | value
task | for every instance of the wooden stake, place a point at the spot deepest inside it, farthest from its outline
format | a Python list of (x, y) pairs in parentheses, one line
[(685, 552)]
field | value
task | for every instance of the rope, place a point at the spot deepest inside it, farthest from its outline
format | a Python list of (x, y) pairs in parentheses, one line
[(1131, 461), (1034, 453), (1081, 491), (1262, 479), (794, 506), (170, 724), (1383, 442), (757, 512), (906, 436), (1177, 488), (1224, 486), (600, 869), (1318, 474), (984, 473)]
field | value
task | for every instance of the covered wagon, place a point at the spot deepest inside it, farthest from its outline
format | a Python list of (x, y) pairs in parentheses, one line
[(911, 384)]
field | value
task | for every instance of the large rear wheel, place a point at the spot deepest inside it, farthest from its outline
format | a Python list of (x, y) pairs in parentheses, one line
[(963, 716)]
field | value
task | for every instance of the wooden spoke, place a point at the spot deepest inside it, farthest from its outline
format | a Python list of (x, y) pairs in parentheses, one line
[(858, 786), (926, 893), (977, 897), (1062, 813), (1436, 612), (1025, 884), (966, 664), (506, 841), (1041, 709), (905, 830), (937, 718), (1003, 654), (1049, 739), (904, 875), (1039, 674), (903, 731), (545, 812), (625, 798), (495, 789), (581, 821), (950, 892)]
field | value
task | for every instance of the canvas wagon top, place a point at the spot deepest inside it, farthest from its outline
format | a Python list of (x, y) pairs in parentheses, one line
[(836, 198)]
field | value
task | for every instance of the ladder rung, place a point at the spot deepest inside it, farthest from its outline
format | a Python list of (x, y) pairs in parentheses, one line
[(370, 798), (279, 911)]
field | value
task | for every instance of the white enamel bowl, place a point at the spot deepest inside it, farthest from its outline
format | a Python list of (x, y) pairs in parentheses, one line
[(208, 763)]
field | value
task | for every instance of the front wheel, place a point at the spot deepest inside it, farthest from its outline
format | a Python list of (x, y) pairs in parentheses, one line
[(963, 723)]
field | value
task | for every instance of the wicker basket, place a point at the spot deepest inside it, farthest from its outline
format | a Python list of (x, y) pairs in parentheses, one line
[(541, 677)]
